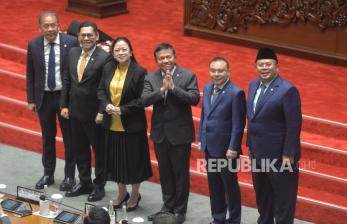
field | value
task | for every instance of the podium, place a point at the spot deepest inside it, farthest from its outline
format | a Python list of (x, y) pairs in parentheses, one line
[(98, 8)]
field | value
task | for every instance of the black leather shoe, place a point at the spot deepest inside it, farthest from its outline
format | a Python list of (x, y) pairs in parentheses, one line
[(152, 216), (45, 180), (129, 209), (67, 184), (126, 198), (162, 210), (96, 195), (79, 189), (180, 218)]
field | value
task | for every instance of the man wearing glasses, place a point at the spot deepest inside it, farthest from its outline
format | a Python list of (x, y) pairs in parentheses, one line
[(223, 118), (46, 63), (79, 103)]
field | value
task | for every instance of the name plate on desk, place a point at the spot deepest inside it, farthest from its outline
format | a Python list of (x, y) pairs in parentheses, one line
[(28, 194), (87, 207)]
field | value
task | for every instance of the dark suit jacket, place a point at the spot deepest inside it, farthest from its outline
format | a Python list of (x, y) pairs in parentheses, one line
[(36, 68), (222, 124), (132, 111), (173, 118), (81, 97), (274, 128)]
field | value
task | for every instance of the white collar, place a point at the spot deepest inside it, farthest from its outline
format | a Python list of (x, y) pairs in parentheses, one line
[(56, 41)]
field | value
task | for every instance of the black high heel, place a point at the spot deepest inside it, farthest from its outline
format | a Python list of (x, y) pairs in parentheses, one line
[(126, 198), (129, 209)]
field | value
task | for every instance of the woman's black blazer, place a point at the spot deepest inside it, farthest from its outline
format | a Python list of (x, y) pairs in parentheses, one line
[(132, 110)]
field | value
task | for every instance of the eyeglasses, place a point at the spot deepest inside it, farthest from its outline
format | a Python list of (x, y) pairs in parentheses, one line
[(84, 35), (218, 71)]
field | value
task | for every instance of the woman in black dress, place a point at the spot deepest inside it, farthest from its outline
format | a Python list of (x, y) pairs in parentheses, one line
[(127, 153)]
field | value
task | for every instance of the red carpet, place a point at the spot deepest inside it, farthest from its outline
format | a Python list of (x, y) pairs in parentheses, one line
[(323, 178), (148, 24)]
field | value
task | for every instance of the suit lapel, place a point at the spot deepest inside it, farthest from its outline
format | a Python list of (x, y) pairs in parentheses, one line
[(269, 92), (63, 46), (176, 77), (41, 59), (129, 76), (74, 62), (109, 78), (208, 95), (90, 63), (252, 92), (158, 78), (219, 98)]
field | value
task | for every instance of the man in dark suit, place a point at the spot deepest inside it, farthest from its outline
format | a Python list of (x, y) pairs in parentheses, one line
[(222, 123), (80, 104), (172, 90), (274, 125), (46, 63)]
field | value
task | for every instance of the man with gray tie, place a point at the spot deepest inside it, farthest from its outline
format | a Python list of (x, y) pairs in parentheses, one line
[(273, 137), (222, 122), (46, 63)]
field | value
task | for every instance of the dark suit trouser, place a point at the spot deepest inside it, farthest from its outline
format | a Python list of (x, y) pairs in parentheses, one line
[(84, 135), (173, 162), (276, 195), (47, 114), (224, 191)]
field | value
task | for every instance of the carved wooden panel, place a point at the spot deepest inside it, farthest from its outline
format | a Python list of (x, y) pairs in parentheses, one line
[(236, 17), (230, 16)]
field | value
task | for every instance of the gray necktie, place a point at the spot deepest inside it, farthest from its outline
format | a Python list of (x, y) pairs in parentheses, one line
[(261, 95), (215, 94)]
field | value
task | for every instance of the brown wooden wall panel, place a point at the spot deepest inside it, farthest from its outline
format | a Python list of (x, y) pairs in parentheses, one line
[(314, 29), (98, 8)]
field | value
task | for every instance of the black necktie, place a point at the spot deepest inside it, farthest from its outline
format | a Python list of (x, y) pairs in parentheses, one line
[(261, 95), (215, 94), (51, 68)]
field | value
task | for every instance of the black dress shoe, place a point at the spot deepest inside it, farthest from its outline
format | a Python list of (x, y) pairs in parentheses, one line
[(129, 209), (162, 210), (126, 198), (67, 184), (45, 180), (79, 189), (97, 194), (180, 218)]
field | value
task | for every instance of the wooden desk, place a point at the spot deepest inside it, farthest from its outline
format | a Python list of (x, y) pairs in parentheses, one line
[(31, 219)]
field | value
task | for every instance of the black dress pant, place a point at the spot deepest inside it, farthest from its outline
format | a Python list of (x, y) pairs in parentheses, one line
[(276, 194), (87, 135), (173, 162), (224, 191), (48, 114)]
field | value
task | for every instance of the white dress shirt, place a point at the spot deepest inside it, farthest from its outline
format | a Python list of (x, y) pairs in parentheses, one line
[(47, 49)]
